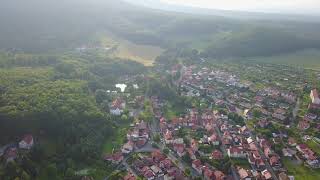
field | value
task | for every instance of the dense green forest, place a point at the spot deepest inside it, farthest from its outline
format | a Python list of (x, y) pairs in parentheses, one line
[(54, 98)]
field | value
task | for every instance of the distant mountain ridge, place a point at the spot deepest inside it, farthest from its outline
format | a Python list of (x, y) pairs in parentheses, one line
[(156, 4)]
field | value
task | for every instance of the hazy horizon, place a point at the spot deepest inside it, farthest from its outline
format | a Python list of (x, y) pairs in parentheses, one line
[(303, 7)]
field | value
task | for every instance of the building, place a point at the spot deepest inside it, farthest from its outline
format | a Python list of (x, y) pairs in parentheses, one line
[(314, 97), (11, 154), (115, 158), (236, 152), (216, 154), (196, 164), (26, 142), (117, 107)]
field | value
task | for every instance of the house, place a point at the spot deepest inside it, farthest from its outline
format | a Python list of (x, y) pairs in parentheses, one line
[(213, 139), (208, 173), (174, 173), (127, 147), (197, 165), (303, 125), (117, 107), (157, 171), (26, 142), (219, 175), (148, 173), (115, 158), (157, 156), (216, 154), (266, 174), (168, 137), (287, 152), (191, 154), (243, 174), (279, 116), (236, 152), (314, 97), (274, 161), (283, 176), (194, 145), (307, 152), (129, 176), (11, 154), (311, 116), (166, 164), (179, 149), (292, 142)]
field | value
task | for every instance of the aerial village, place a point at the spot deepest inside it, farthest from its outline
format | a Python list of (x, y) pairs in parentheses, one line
[(239, 131)]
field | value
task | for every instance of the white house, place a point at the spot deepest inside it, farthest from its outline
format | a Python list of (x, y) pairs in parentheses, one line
[(116, 111), (236, 152)]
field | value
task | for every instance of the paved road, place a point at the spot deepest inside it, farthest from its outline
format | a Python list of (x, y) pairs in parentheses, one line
[(265, 159), (233, 169)]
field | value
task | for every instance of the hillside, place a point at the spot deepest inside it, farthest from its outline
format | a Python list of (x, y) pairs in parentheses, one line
[(71, 24)]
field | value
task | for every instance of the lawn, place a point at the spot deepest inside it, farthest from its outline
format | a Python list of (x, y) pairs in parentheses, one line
[(241, 162), (300, 172), (114, 142), (145, 54), (314, 146), (308, 59)]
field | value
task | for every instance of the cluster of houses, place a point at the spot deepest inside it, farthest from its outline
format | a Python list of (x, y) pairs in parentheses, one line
[(10, 152), (235, 141), (226, 89), (156, 166), (194, 121), (309, 156), (137, 137), (240, 144)]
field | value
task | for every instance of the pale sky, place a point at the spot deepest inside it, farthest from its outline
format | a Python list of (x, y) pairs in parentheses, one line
[(278, 6)]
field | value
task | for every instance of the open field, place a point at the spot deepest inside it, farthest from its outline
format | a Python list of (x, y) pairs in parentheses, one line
[(301, 172), (309, 59), (145, 54)]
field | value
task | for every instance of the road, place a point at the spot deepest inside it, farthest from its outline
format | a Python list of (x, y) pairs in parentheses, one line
[(233, 169), (296, 109), (265, 159)]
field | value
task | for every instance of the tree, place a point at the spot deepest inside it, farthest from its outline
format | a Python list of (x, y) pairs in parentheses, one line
[(187, 172), (166, 151), (256, 113), (156, 138), (116, 175), (52, 172), (124, 117), (25, 176), (186, 158), (101, 95)]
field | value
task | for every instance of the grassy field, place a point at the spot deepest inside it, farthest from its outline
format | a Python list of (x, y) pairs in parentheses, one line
[(144, 54), (309, 59), (314, 146), (301, 172)]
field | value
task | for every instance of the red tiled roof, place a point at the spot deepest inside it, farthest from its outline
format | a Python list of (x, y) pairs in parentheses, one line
[(28, 138), (129, 176), (197, 163), (216, 154)]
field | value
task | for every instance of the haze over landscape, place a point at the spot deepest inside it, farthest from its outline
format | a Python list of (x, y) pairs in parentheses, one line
[(159, 89)]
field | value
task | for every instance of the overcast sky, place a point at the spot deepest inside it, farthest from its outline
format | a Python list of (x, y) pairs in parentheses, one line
[(278, 6)]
